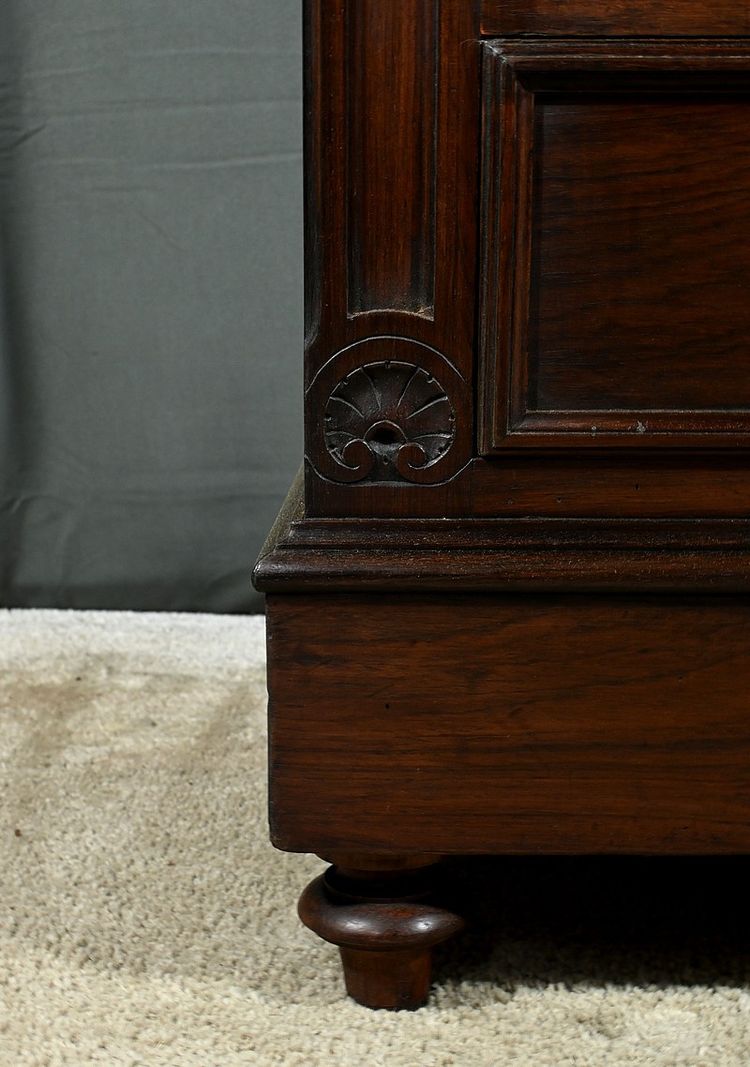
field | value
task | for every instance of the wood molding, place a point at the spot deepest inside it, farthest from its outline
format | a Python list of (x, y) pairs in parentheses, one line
[(637, 18), (502, 555), (589, 333)]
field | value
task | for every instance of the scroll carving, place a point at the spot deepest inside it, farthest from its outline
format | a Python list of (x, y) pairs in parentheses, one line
[(390, 417), (388, 420)]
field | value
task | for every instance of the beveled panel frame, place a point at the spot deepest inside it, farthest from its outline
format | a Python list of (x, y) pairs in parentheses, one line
[(516, 76), (678, 18)]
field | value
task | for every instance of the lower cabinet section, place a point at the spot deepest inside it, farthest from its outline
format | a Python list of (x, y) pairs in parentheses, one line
[(497, 724)]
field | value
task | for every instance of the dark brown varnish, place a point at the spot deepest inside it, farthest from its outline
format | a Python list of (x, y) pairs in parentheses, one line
[(616, 313), (509, 593), (387, 154), (616, 230), (619, 18), (497, 724)]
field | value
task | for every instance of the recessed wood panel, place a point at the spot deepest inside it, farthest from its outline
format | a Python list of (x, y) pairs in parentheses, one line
[(392, 98), (640, 258), (617, 225), (634, 17)]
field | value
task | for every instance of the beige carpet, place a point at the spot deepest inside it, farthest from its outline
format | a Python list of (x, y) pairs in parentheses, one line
[(146, 921)]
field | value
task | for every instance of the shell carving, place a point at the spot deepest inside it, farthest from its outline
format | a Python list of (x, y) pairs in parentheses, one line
[(386, 420)]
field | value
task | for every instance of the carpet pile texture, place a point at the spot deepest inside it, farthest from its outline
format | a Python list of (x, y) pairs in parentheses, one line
[(147, 921)]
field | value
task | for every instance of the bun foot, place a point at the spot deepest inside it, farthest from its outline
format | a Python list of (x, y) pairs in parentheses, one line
[(392, 979), (385, 927)]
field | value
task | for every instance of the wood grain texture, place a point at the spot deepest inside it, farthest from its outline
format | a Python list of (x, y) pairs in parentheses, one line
[(642, 303), (509, 609), (486, 724), (391, 74), (594, 485), (385, 924), (615, 307), (391, 205), (641, 18), (701, 364), (306, 555)]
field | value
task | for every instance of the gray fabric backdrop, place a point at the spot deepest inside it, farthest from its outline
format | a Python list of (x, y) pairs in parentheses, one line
[(151, 297)]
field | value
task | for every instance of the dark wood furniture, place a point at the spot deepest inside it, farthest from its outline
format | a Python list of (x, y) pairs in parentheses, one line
[(507, 602)]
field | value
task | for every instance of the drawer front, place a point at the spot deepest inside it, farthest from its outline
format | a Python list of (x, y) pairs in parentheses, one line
[(639, 18), (616, 230)]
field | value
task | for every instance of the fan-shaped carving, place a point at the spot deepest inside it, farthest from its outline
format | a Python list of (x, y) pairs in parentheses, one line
[(386, 420)]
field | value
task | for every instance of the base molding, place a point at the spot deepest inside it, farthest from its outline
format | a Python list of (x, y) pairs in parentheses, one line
[(304, 554)]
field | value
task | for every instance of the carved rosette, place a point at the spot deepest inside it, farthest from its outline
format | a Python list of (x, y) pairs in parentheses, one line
[(388, 419), (385, 419)]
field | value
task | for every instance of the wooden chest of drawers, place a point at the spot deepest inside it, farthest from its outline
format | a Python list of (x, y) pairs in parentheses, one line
[(507, 598)]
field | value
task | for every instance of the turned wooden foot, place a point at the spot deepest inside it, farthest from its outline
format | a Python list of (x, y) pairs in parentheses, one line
[(385, 926)]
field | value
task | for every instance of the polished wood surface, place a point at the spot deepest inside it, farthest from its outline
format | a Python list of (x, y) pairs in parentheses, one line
[(488, 724), (508, 596), (605, 316), (387, 156), (616, 311), (513, 554), (636, 18), (386, 923), (392, 121), (642, 302)]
